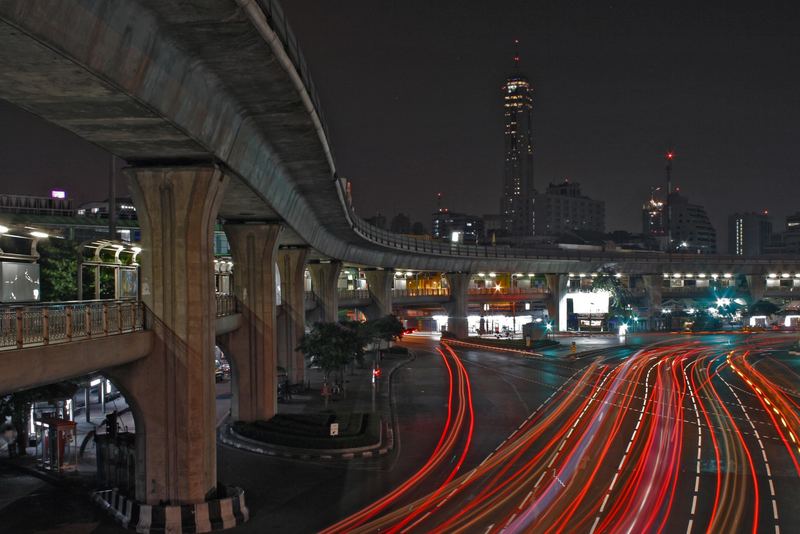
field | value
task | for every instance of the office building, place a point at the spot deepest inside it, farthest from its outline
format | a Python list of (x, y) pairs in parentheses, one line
[(562, 208), (749, 234), (690, 228)]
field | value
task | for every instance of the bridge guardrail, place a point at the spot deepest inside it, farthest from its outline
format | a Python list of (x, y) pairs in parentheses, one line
[(60, 322)]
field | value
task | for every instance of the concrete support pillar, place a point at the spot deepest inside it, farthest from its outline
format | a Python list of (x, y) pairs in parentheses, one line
[(756, 286), (653, 288), (172, 389), (292, 316), (253, 347), (557, 304), (324, 284), (380, 285), (457, 307)]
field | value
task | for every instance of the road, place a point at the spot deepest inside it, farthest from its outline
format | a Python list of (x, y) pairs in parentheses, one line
[(668, 433), (683, 434)]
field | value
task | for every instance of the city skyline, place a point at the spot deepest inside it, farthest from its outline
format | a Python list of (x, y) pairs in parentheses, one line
[(605, 113)]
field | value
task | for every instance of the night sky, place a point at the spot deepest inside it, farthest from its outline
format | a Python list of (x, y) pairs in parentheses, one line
[(411, 96)]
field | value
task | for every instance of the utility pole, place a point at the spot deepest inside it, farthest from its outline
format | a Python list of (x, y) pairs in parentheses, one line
[(669, 204)]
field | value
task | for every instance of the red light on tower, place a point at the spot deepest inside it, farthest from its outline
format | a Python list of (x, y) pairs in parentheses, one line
[(669, 155)]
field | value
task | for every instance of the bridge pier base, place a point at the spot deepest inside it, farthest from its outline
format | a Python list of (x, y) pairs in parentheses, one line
[(292, 315), (324, 284), (253, 347), (379, 284), (457, 322), (172, 389)]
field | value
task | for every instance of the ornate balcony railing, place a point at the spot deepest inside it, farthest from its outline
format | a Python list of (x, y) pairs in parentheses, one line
[(59, 322), (226, 305)]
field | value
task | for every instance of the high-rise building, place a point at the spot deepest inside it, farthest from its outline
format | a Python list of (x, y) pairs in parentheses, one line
[(690, 228), (654, 218), (516, 203), (749, 234), (563, 208)]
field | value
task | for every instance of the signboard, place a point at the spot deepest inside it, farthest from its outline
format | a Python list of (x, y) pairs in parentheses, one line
[(589, 303), (334, 429)]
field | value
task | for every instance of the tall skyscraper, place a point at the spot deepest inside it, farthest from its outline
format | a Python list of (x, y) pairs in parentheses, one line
[(516, 204), (749, 234)]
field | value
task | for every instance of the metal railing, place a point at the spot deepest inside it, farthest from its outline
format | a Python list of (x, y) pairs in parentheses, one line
[(437, 292), (508, 291), (60, 322), (353, 294), (443, 248), (226, 305)]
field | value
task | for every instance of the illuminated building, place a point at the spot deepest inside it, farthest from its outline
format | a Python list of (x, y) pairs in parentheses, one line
[(516, 203), (749, 234), (654, 218)]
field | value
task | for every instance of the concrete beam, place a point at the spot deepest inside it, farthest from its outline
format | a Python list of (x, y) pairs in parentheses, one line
[(44, 364)]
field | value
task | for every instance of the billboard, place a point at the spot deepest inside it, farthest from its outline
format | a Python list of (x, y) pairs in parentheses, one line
[(20, 282), (593, 302)]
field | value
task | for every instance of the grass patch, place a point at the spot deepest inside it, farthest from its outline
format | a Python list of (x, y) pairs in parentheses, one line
[(312, 431), (396, 350)]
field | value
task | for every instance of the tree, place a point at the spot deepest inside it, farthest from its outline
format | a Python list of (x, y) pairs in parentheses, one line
[(387, 328), (331, 346), (764, 307), (618, 295), (58, 264)]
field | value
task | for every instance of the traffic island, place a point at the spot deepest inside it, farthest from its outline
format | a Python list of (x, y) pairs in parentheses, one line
[(227, 511), (325, 436)]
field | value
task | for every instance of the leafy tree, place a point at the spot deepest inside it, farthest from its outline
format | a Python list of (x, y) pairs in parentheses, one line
[(619, 297), (58, 264), (387, 328), (331, 346), (365, 334), (764, 307), (704, 321)]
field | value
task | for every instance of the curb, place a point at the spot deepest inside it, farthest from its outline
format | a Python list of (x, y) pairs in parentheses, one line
[(216, 514), (229, 437)]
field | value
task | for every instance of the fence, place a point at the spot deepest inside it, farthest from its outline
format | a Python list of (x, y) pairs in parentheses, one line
[(42, 324)]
